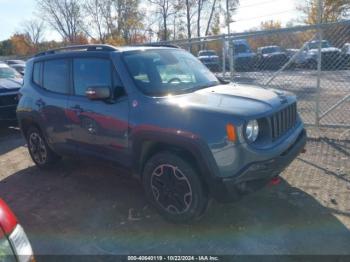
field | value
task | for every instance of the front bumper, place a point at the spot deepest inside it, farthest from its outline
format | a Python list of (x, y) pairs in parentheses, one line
[(8, 105), (8, 113), (257, 174)]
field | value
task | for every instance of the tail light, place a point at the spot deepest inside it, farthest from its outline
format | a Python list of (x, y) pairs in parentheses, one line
[(15, 234), (21, 245), (8, 220)]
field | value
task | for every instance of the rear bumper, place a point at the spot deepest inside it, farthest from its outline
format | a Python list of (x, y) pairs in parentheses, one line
[(257, 174)]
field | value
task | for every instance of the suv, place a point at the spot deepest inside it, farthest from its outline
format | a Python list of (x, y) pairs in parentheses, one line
[(210, 59), (331, 57), (243, 57), (161, 114), (271, 57), (10, 83)]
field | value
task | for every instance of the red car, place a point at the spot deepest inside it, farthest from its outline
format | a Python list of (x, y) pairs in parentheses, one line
[(14, 244)]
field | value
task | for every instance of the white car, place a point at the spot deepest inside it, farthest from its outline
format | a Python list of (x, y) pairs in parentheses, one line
[(331, 56)]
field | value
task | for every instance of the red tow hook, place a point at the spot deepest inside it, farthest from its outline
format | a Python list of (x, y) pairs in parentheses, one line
[(275, 181)]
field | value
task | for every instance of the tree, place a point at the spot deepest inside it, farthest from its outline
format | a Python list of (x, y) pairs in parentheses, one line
[(34, 32), (230, 9), (99, 19), (65, 16), (165, 9), (20, 45), (212, 11), (189, 14), (215, 27), (332, 11), (6, 48), (200, 5), (129, 19)]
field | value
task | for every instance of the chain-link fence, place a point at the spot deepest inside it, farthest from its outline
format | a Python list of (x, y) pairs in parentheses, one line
[(313, 62)]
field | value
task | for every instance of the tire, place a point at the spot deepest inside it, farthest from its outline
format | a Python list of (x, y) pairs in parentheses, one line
[(312, 64), (40, 152), (174, 188)]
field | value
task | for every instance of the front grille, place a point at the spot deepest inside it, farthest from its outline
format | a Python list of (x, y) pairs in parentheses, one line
[(283, 120), (8, 100)]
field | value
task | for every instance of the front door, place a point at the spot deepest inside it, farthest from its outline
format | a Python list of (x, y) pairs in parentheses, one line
[(99, 128)]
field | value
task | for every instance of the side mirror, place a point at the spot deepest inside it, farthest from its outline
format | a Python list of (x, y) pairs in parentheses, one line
[(98, 92), (222, 80)]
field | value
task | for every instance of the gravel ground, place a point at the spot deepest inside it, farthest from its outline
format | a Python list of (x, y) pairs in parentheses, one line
[(80, 208)]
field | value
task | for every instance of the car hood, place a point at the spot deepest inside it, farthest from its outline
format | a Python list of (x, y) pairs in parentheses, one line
[(247, 54), (327, 49), (274, 54), (240, 100), (10, 84), (208, 57)]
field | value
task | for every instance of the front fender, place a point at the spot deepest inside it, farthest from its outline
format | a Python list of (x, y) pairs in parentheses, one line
[(174, 139)]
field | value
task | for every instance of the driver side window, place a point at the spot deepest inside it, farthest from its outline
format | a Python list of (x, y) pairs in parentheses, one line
[(89, 72)]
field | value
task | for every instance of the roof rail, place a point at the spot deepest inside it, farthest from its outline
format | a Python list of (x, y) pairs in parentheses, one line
[(79, 47), (160, 45)]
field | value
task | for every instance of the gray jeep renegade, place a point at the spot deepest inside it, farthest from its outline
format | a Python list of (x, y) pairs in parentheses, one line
[(163, 116)]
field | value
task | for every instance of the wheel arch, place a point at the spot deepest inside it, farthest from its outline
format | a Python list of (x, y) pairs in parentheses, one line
[(194, 151)]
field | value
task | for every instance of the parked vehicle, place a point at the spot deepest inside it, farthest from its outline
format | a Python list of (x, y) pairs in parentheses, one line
[(10, 83), (210, 59), (271, 57), (161, 114), (244, 58), (346, 55), (14, 244), (331, 56), (20, 68), (14, 62)]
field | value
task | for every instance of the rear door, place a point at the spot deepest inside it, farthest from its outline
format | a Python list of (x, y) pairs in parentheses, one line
[(52, 77), (99, 128)]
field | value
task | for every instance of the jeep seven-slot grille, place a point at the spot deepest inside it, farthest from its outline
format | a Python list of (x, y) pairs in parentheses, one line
[(283, 120)]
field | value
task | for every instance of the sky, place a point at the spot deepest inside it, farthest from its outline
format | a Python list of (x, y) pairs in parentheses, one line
[(13, 13)]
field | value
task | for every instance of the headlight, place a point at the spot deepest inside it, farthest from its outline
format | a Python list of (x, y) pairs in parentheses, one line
[(252, 131)]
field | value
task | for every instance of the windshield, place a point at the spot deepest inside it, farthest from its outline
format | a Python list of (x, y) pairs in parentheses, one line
[(314, 45), (7, 72), (168, 71), (272, 49), (241, 48), (206, 53)]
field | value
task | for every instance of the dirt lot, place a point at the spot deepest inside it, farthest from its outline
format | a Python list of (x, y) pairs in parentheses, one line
[(80, 208)]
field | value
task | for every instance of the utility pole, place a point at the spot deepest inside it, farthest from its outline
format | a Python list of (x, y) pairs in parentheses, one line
[(228, 17)]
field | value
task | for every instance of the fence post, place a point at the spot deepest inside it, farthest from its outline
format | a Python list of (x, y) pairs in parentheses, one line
[(223, 56), (319, 64), (231, 59)]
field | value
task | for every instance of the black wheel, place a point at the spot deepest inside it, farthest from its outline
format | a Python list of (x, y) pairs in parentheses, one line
[(174, 188), (312, 64), (40, 152)]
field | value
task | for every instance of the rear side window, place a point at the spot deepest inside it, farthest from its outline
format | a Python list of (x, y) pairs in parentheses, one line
[(37, 73), (88, 72), (56, 76)]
